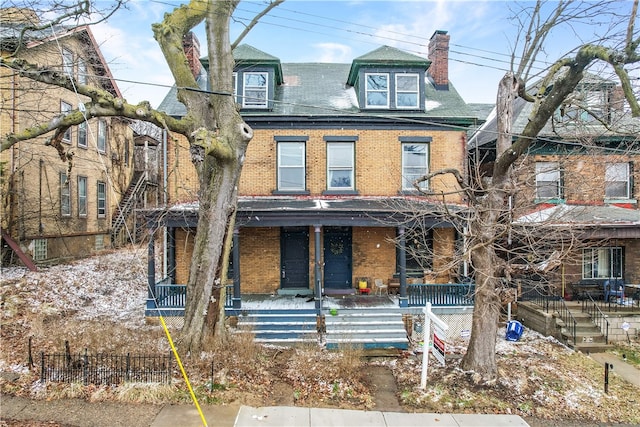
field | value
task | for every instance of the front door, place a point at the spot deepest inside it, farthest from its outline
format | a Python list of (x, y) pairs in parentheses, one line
[(294, 257), (337, 258)]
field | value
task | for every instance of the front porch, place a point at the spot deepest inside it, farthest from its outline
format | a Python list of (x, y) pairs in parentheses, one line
[(166, 299)]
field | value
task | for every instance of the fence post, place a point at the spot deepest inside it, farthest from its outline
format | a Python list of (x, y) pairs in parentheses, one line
[(127, 374), (85, 367), (43, 377), (30, 356)]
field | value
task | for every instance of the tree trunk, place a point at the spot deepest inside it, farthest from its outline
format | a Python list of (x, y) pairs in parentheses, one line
[(224, 136)]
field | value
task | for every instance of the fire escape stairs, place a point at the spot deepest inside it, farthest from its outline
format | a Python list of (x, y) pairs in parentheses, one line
[(128, 202)]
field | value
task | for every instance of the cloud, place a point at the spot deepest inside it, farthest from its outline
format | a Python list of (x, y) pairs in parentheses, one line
[(333, 52)]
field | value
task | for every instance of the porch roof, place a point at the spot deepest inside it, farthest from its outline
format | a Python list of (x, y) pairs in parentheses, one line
[(276, 211)]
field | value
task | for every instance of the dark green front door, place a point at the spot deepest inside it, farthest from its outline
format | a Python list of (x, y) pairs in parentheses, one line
[(337, 258), (294, 258)]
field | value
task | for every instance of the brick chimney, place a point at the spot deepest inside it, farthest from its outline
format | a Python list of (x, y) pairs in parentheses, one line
[(192, 50), (439, 57), (18, 15)]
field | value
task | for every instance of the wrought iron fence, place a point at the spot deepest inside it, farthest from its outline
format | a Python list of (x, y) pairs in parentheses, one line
[(105, 369)]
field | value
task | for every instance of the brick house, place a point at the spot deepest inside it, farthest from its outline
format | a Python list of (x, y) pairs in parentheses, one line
[(326, 195), (50, 209), (579, 176)]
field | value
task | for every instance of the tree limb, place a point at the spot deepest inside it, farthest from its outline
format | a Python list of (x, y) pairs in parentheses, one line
[(255, 20)]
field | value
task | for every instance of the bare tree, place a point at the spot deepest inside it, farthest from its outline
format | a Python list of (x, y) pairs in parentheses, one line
[(490, 231), (213, 126)]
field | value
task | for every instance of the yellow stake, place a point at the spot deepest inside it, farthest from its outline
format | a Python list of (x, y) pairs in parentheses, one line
[(184, 374)]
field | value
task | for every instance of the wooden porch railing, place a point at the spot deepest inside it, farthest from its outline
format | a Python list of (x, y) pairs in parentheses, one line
[(447, 294)]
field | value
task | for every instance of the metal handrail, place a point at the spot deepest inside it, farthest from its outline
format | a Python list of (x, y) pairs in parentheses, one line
[(597, 316), (563, 311)]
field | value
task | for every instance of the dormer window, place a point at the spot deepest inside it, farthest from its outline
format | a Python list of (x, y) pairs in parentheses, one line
[(377, 90), (255, 90), (407, 90)]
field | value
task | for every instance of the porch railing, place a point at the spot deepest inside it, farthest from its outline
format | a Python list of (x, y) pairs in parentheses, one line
[(556, 304), (448, 294)]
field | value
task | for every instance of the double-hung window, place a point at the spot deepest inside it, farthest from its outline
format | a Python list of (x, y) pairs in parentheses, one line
[(102, 136), (415, 163), (340, 166), (377, 90), (617, 181), (82, 135), (65, 195), (102, 199), (602, 263), (67, 62), (82, 71), (82, 196), (65, 108), (255, 90), (407, 90), (291, 166), (548, 183)]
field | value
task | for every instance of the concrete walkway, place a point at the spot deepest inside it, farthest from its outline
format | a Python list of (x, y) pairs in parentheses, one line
[(621, 368), (293, 416)]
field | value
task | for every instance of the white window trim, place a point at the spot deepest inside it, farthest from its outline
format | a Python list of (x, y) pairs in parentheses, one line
[(350, 168), (303, 166), (83, 200), (406, 185), (67, 62), (552, 170), (626, 181), (367, 91), (248, 102), (102, 134), (65, 184), (83, 77), (104, 185), (417, 91), (65, 109)]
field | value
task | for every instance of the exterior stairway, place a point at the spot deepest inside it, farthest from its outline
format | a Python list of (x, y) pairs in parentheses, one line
[(280, 327), (589, 337), (128, 203), (371, 328)]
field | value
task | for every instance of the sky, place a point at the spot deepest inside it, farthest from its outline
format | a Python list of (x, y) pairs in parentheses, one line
[(483, 35)]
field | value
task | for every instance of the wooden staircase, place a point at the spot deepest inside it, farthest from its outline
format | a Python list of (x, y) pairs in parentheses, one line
[(371, 328), (588, 336)]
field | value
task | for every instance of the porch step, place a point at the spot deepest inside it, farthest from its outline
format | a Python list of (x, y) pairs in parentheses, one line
[(589, 337), (279, 327), (369, 328)]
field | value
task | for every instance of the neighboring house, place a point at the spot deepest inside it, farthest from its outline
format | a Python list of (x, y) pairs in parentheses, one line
[(580, 175), (326, 194), (51, 208)]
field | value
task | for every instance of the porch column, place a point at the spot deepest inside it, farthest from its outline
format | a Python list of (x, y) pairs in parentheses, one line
[(317, 271), (237, 300), (171, 254), (404, 302), (151, 268)]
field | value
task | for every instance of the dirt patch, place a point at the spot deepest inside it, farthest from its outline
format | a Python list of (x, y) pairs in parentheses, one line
[(385, 390)]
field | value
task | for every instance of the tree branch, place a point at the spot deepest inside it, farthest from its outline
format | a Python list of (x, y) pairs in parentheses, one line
[(273, 4)]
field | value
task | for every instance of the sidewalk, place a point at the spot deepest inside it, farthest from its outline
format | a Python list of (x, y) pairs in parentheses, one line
[(291, 416), (621, 368)]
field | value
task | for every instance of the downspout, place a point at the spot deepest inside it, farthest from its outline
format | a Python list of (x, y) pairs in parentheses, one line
[(237, 299)]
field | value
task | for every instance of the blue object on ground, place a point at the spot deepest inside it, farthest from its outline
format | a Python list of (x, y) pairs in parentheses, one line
[(514, 330)]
